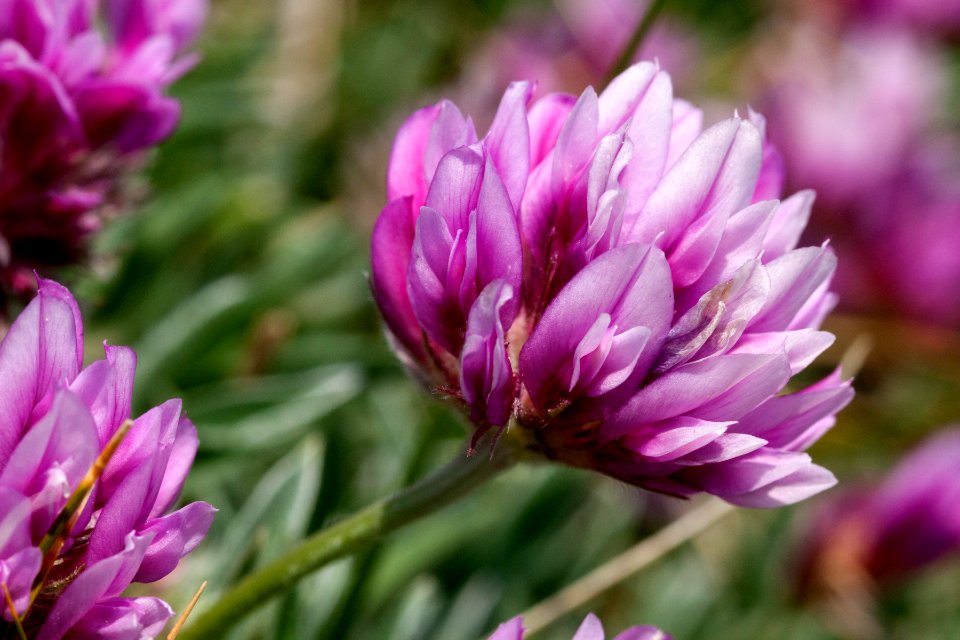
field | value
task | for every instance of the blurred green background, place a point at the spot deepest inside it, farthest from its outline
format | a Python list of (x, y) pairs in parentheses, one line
[(241, 282)]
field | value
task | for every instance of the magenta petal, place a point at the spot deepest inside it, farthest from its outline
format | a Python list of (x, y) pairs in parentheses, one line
[(509, 630), (538, 213), (618, 102), (428, 275), (123, 619), (814, 311), (182, 452), (789, 221), (39, 351), (715, 176), (50, 290), (750, 391), (785, 418), (674, 438), (575, 143), (450, 131), (630, 283), (18, 572), (772, 169), (405, 172), (801, 346), (405, 175), (620, 362), (649, 130), (486, 376), (793, 279), (133, 21), (52, 457), (746, 474), (152, 431), (105, 578), (741, 242), (124, 362), (799, 485), (390, 247), (508, 141), (697, 247), (455, 188), (545, 119), (19, 560), (589, 629), (713, 385), (462, 246), (726, 447), (95, 388), (499, 254), (719, 318), (132, 480), (175, 535), (126, 116), (645, 632), (14, 521), (26, 23), (687, 126)]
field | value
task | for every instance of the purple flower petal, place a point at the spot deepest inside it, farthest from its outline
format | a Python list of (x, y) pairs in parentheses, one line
[(105, 578), (508, 141), (390, 247), (589, 629), (123, 619), (174, 536), (630, 284), (714, 176), (486, 376), (509, 630)]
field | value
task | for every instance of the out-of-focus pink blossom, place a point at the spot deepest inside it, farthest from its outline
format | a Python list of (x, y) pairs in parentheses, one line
[(83, 85), (620, 286), (856, 119), (925, 17), (890, 530), (846, 112)]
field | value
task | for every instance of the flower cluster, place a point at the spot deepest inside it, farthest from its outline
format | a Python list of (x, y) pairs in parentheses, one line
[(619, 285), (891, 530), (65, 563), (590, 629), (83, 91)]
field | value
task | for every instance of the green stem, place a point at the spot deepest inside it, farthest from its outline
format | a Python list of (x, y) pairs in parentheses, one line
[(649, 18), (348, 536)]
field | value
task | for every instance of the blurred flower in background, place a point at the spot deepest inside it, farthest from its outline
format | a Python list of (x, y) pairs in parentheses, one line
[(938, 17), (613, 282), (859, 116), (873, 536), (590, 629), (83, 86), (81, 553)]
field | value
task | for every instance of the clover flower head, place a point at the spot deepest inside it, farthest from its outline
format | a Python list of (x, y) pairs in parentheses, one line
[(619, 286)]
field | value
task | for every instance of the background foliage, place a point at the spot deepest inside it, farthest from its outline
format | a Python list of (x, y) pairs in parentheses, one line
[(241, 282)]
